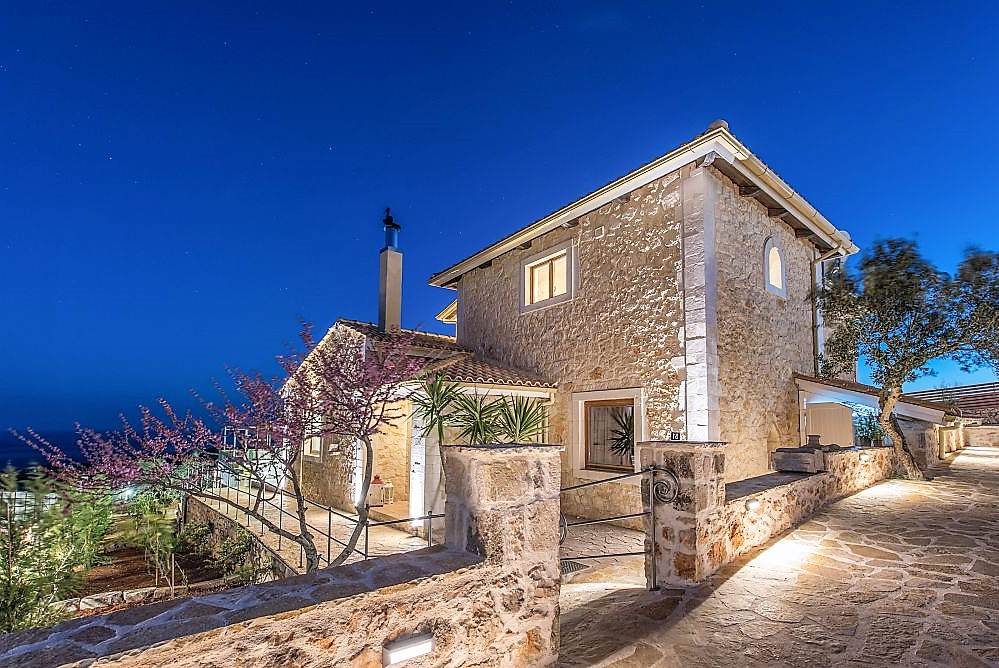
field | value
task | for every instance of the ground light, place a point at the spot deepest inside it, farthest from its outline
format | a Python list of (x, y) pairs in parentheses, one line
[(407, 648)]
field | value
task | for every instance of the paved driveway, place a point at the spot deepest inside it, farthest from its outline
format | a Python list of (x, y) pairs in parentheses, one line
[(904, 573)]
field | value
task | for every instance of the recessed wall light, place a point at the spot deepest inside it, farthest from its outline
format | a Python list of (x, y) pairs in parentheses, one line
[(407, 648)]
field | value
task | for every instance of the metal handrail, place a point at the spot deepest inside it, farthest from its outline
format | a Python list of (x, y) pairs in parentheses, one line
[(219, 479), (651, 472)]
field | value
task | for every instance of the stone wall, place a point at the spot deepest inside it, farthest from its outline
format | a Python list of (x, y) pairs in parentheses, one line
[(622, 329), (951, 438), (489, 599), (921, 437), (699, 532), (763, 339), (329, 479), (983, 435), (226, 528)]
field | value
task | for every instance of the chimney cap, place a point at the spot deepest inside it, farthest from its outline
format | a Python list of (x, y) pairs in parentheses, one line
[(389, 221)]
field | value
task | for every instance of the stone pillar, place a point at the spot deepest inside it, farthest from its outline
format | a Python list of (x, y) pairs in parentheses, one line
[(503, 504), (677, 529)]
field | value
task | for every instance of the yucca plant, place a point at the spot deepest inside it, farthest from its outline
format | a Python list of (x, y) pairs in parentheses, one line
[(434, 405), (475, 416), (521, 419), (623, 435)]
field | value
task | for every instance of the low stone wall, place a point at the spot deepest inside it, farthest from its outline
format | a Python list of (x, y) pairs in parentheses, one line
[(951, 439), (226, 528), (490, 598), (982, 435), (610, 500), (698, 532), (737, 528)]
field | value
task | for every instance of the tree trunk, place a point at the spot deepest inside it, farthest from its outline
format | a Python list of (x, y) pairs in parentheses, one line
[(362, 508), (887, 401)]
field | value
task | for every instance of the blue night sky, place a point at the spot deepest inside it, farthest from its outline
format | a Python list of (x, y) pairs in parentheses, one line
[(180, 182)]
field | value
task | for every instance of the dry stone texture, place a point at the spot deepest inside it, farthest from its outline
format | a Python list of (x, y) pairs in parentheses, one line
[(490, 600), (762, 338), (903, 573)]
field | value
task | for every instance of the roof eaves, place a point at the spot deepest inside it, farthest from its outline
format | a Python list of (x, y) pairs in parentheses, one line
[(718, 140)]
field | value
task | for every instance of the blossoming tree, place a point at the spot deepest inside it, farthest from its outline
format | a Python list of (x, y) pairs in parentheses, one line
[(343, 388)]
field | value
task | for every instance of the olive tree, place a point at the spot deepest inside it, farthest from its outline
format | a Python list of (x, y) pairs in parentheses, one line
[(899, 313)]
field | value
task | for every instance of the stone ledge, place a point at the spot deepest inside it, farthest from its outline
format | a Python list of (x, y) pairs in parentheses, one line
[(144, 626)]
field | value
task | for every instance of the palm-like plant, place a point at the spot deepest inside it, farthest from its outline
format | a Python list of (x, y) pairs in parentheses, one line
[(475, 416), (434, 405), (623, 435), (521, 420)]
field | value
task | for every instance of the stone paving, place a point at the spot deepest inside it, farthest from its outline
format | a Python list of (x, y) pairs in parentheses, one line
[(904, 573)]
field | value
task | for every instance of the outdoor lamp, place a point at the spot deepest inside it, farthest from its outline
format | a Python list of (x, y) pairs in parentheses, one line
[(752, 504), (865, 456), (407, 648)]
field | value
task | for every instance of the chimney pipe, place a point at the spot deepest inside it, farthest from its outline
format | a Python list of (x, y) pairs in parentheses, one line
[(390, 278)]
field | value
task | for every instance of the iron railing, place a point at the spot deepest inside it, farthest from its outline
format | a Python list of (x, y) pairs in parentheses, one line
[(663, 488), (234, 485)]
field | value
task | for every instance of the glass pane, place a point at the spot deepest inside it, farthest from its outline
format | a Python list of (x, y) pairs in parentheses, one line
[(774, 269), (610, 435), (560, 275), (540, 276)]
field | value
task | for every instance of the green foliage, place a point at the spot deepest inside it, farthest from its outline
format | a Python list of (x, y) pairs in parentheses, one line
[(441, 404), (475, 417), (194, 540), (521, 420), (866, 426), (48, 537), (899, 313), (623, 435), (154, 532), (234, 558), (434, 405)]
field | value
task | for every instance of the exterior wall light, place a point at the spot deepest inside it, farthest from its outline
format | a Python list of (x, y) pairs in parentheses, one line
[(407, 648), (865, 457), (753, 504)]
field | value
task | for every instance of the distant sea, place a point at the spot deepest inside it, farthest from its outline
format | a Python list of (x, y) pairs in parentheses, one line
[(21, 456)]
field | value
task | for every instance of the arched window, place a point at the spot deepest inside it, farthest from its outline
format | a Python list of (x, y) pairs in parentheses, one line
[(773, 268)]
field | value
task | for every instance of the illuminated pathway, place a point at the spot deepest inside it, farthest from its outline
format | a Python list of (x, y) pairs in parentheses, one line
[(904, 573)]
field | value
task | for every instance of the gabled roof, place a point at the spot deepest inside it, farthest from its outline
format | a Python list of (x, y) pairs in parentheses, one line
[(419, 339), (453, 362), (718, 147), (477, 371), (971, 400)]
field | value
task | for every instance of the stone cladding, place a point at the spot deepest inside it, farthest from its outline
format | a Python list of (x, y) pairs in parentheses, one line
[(489, 599), (622, 329), (698, 532), (763, 339)]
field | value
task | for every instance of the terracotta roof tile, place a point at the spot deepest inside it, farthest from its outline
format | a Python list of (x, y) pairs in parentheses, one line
[(421, 339)]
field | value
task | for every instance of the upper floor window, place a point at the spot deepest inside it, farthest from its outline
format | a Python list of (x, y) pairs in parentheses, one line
[(774, 276), (547, 277)]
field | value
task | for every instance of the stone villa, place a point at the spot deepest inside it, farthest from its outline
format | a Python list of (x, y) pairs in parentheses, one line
[(675, 298)]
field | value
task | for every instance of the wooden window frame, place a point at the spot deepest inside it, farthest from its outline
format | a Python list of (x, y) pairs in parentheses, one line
[(629, 402), (546, 259)]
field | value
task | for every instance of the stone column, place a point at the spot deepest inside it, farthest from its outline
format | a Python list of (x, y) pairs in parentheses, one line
[(503, 503), (677, 530)]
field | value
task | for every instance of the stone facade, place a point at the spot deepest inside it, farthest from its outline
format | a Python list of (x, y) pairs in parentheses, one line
[(699, 532), (489, 599), (330, 478), (670, 300), (763, 338), (622, 329), (983, 435)]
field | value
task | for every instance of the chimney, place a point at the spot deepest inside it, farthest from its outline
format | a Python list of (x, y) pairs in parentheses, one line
[(390, 278)]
